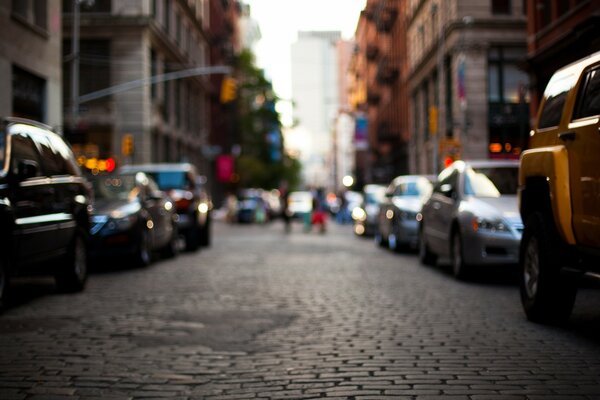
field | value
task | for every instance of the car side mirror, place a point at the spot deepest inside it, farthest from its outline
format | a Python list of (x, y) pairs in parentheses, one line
[(27, 169)]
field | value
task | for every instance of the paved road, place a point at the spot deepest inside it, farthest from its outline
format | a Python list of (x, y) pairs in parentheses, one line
[(271, 316)]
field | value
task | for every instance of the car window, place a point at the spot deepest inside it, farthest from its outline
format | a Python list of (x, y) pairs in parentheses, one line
[(375, 196), (114, 187), (588, 104), (170, 179), (23, 148), (407, 189), (556, 95), (65, 154), (53, 164), (491, 181), (447, 177)]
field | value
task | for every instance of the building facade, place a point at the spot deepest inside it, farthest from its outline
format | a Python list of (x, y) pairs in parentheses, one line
[(131, 41), (380, 97), (315, 95), (30, 61), (468, 90), (559, 33)]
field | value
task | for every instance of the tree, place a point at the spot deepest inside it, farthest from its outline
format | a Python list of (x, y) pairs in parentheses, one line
[(263, 161)]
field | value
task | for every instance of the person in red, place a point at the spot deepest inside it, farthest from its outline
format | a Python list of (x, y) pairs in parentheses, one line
[(319, 215)]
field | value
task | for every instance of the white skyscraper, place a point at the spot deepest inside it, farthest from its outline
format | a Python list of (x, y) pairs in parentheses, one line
[(315, 95)]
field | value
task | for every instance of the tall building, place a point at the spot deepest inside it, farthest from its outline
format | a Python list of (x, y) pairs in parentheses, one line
[(129, 41), (380, 96), (30, 61), (315, 95), (469, 96)]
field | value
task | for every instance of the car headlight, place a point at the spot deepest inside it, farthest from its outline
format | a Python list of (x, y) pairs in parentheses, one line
[(358, 214), (485, 224)]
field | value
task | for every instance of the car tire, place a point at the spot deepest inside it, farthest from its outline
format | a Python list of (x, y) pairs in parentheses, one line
[(73, 273), (205, 233), (426, 256), (143, 254), (172, 248), (547, 295), (192, 240), (460, 269), (379, 241)]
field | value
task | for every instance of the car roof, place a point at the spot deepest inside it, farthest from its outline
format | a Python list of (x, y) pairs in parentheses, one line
[(159, 167), (491, 163)]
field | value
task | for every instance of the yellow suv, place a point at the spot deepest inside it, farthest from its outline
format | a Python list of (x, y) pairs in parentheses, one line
[(559, 194)]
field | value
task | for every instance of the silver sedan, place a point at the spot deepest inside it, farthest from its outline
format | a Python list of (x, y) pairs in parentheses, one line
[(472, 216)]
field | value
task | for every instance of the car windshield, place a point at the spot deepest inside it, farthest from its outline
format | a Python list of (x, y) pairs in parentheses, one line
[(491, 181), (170, 179), (375, 197), (120, 187), (407, 189)]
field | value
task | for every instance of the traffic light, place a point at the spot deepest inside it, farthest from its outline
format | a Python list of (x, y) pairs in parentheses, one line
[(228, 89), (127, 144)]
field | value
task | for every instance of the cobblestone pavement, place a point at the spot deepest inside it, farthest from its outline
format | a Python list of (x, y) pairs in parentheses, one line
[(264, 315)]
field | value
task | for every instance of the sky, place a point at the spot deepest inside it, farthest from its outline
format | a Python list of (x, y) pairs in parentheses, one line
[(280, 21)]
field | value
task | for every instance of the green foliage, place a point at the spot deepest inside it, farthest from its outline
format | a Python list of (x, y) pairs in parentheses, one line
[(262, 162)]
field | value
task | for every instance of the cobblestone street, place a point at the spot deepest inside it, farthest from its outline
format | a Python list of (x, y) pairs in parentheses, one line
[(266, 315)]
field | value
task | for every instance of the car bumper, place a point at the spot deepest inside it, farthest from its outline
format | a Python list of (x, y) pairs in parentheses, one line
[(483, 248), (113, 245), (408, 233)]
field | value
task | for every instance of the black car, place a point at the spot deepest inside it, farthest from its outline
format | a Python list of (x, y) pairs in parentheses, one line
[(187, 188), (132, 217), (44, 206)]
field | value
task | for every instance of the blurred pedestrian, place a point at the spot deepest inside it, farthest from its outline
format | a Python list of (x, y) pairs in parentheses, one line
[(319, 211), (284, 195)]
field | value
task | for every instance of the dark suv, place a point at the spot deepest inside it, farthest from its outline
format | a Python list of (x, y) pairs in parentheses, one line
[(44, 206), (186, 188)]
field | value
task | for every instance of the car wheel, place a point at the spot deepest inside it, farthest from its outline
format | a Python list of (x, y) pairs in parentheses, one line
[(205, 233), (459, 268), (547, 295), (73, 273), (379, 240), (172, 248), (192, 240), (143, 256), (426, 256)]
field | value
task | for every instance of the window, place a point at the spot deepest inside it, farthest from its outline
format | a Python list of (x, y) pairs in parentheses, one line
[(491, 181), (507, 83), (447, 183), (153, 72), (28, 94), (588, 104), (22, 148), (501, 7), (167, 16), (34, 12), (555, 96)]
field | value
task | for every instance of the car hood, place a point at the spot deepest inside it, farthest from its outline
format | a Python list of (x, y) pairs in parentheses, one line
[(115, 208), (408, 203), (505, 206)]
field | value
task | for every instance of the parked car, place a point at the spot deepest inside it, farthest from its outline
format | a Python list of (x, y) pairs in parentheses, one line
[(193, 204), (472, 216), (44, 200), (251, 206), (299, 203), (365, 216), (132, 217), (559, 193), (397, 223)]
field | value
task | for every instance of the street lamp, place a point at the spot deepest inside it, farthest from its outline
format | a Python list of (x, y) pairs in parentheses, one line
[(348, 181)]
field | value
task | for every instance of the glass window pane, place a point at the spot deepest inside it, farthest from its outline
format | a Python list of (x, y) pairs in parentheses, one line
[(515, 81), (555, 96), (493, 83), (589, 105)]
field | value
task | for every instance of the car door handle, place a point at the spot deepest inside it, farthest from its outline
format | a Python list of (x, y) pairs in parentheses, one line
[(564, 136)]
